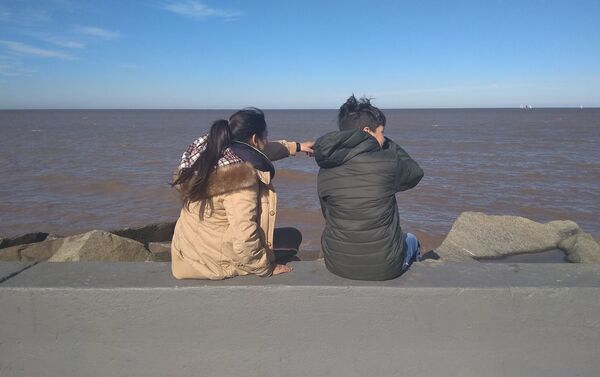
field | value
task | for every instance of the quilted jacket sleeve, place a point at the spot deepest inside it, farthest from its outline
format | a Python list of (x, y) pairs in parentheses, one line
[(408, 172)]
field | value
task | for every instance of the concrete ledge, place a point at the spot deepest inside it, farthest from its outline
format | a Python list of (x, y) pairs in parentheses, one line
[(134, 319), (11, 269)]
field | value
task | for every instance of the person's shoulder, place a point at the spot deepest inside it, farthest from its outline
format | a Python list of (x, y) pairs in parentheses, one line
[(230, 178), (389, 144)]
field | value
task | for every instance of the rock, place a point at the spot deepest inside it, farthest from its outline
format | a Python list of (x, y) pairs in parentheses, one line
[(477, 235), (10, 254), (100, 246), (92, 246), (161, 251), (23, 239), (33, 252), (581, 248), (159, 232)]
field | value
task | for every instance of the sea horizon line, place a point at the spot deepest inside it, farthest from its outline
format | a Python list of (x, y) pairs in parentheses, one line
[(293, 109)]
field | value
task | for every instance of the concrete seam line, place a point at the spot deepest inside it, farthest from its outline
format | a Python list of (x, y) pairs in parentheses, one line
[(5, 278)]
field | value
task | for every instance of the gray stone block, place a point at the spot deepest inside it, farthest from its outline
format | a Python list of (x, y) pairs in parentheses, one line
[(450, 319), (420, 275), (581, 248), (477, 235), (39, 251), (159, 232), (100, 246), (161, 251), (23, 239)]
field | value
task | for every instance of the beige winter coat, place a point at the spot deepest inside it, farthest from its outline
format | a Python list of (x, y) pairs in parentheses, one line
[(236, 235)]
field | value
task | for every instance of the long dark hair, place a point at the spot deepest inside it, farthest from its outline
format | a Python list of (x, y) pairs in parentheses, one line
[(357, 114), (193, 181)]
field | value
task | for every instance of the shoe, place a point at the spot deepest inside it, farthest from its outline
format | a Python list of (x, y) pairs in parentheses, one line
[(430, 255)]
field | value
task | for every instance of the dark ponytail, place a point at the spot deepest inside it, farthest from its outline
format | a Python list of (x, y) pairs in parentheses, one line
[(357, 114), (194, 180)]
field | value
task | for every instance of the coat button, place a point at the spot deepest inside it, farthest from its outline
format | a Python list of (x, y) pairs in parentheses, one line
[(272, 213), (269, 244)]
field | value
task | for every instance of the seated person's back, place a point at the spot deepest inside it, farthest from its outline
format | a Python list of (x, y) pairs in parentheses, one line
[(361, 171)]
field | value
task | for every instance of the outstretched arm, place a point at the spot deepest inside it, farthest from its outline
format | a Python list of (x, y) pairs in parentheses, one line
[(277, 150)]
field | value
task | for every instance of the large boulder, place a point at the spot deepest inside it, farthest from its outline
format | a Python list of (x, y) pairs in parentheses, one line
[(33, 252), (100, 246), (581, 248), (161, 251), (159, 232), (23, 239), (477, 235)]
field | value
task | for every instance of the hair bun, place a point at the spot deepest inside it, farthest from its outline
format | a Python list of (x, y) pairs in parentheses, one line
[(357, 114), (350, 106)]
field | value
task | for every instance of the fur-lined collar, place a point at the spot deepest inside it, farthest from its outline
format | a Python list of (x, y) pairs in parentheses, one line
[(231, 178)]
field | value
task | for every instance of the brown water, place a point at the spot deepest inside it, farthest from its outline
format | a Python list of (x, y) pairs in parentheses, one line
[(69, 171)]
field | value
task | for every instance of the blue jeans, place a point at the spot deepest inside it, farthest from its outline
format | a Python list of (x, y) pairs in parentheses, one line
[(412, 248)]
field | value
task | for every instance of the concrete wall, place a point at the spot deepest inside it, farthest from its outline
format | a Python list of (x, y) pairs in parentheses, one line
[(134, 319)]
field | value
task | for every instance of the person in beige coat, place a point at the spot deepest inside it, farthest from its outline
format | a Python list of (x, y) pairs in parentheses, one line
[(227, 223)]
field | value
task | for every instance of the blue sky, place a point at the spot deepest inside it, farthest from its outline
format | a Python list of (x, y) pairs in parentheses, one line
[(298, 54)]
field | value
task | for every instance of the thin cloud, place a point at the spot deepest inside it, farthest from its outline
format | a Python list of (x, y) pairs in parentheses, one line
[(198, 10), (97, 32), (11, 67), (24, 17), (22, 48), (65, 43)]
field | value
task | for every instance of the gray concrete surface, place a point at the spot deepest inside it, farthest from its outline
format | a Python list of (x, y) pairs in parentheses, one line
[(11, 269), (134, 319)]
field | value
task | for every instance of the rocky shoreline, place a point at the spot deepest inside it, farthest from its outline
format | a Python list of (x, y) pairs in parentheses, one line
[(145, 243), (474, 236), (477, 236)]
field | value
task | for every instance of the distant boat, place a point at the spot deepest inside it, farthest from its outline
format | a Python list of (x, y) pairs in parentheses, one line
[(526, 106)]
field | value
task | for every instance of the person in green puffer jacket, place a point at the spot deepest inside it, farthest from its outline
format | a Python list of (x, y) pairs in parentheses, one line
[(360, 172)]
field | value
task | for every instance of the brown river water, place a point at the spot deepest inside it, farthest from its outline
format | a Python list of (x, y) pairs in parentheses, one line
[(67, 171)]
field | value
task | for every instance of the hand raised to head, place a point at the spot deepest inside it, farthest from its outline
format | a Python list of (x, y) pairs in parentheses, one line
[(307, 147)]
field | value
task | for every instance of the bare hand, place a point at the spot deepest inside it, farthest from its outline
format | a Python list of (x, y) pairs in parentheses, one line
[(281, 269), (307, 147)]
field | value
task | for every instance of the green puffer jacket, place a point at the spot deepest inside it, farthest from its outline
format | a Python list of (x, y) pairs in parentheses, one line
[(357, 184)]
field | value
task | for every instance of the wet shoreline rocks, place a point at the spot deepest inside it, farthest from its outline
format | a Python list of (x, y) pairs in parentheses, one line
[(474, 236), (24, 239), (158, 232), (119, 245), (581, 248)]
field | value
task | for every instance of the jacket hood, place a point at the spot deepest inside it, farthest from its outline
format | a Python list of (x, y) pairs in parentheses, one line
[(338, 147), (255, 157)]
